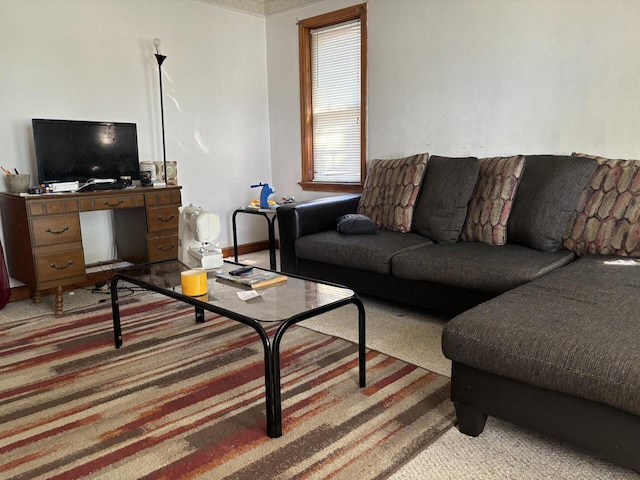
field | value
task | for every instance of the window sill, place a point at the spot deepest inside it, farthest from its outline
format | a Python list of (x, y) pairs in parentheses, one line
[(331, 187)]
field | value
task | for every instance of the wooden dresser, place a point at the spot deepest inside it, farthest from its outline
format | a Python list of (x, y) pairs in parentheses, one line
[(44, 240)]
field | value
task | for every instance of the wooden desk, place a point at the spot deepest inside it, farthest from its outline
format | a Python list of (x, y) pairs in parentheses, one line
[(44, 241)]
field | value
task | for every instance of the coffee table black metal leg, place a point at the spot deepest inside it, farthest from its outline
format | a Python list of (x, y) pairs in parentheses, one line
[(275, 354), (274, 424), (199, 315), (115, 310), (273, 428), (277, 397), (362, 354)]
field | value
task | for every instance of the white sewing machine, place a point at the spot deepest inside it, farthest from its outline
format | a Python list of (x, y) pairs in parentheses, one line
[(197, 231)]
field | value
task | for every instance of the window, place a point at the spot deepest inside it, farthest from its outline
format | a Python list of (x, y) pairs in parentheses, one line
[(333, 63)]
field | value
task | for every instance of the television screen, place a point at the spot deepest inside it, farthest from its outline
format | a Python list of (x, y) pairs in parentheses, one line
[(69, 150)]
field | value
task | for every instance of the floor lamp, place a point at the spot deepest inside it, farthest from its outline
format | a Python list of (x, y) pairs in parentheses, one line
[(160, 58)]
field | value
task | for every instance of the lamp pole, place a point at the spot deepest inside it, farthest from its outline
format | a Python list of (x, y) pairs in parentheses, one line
[(160, 58)]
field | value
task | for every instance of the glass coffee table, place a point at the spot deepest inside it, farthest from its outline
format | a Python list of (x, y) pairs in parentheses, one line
[(286, 303)]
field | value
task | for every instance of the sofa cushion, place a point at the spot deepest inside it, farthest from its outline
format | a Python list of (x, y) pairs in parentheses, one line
[(390, 191), (546, 197), (478, 266), (575, 330), (607, 217), (444, 197), (492, 199), (366, 252), (355, 224)]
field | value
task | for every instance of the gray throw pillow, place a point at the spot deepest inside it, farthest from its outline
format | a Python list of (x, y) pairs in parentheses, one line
[(355, 224), (441, 210), (546, 197)]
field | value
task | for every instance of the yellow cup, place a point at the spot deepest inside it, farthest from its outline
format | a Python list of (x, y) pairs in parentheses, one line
[(194, 282)]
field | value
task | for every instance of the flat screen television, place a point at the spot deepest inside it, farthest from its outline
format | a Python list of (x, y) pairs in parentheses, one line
[(71, 150)]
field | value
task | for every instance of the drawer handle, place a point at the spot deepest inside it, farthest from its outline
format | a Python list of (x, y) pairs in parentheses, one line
[(69, 263), (160, 247), (106, 202), (171, 217), (64, 229)]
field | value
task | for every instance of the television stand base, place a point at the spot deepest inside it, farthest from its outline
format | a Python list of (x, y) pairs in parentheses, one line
[(106, 186)]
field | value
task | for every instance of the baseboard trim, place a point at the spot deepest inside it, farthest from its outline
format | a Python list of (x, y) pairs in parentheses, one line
[(247, 248), (19, 293)]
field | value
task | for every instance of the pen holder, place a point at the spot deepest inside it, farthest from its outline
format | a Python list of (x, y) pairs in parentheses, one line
[(18, 183), (194, 282)]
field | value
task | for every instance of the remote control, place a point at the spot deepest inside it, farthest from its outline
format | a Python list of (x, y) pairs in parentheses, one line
[(240, 271)]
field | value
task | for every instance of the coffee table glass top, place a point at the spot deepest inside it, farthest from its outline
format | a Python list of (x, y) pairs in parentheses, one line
[(276, 302)]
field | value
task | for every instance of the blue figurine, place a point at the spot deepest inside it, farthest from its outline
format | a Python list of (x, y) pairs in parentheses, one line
[(264, 194)]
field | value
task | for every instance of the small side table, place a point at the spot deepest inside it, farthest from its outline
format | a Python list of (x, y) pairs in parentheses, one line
[(270, 215)]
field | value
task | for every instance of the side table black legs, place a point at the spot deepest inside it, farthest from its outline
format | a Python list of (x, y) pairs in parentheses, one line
[(271, 216)]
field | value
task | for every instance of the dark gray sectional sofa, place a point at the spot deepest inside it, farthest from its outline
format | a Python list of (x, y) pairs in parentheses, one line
[(546, 331)]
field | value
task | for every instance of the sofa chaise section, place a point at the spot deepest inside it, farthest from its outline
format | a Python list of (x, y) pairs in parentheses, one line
[(559, 354)]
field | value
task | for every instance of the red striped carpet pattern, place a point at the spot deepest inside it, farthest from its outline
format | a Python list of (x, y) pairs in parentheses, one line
[(186, 400)]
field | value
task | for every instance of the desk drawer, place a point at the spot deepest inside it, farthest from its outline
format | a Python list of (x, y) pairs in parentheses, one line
[(52, 207), (57, 265), (162, 248), (156, 199), (162, 218), (113, 201), (55, 229)]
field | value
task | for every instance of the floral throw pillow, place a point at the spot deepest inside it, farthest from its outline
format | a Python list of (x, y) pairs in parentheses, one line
[(390, 191), (607, 217), (492, 199)]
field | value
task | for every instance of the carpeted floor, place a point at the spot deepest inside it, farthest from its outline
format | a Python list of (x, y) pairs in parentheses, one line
[(186, 400), (413, 335)]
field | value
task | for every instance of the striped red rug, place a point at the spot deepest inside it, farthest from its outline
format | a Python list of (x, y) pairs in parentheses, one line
[(186, 400)]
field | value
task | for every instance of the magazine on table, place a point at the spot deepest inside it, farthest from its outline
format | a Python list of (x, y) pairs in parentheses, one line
[(253, 278)]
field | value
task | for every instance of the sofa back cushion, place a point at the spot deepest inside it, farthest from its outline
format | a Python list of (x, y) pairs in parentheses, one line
[(442, 205), (546, 197), (607, 217), (390, 191), (492, 199)]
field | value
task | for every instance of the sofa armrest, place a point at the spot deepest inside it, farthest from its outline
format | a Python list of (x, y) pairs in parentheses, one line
[(296, 220)]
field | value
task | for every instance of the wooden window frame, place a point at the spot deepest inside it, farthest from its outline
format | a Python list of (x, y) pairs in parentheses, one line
[(306, 111)]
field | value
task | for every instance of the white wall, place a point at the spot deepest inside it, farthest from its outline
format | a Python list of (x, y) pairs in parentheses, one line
[(494, 77), (93, 60), (477, 77)]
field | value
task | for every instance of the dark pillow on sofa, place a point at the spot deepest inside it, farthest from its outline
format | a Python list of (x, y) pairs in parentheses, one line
[(355, 224), (547, 195), (442, 207)]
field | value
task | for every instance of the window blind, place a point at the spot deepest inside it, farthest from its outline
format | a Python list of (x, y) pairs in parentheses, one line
[(336, 96)]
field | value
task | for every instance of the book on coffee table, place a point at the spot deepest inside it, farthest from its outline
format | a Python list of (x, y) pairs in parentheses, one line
[(254, 278)]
